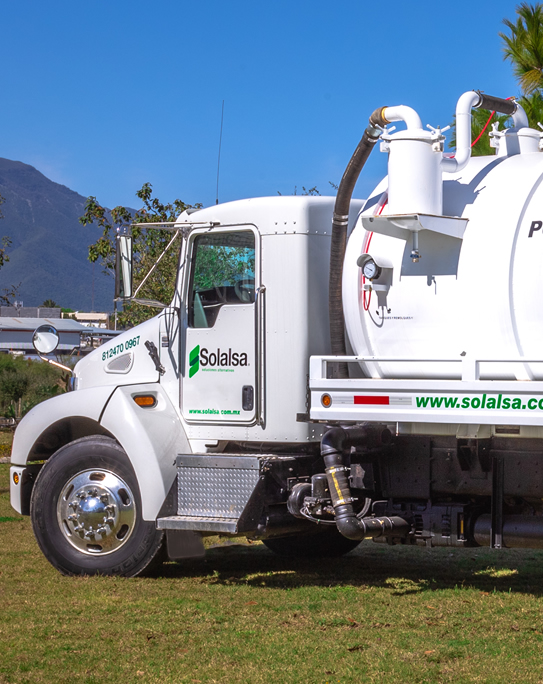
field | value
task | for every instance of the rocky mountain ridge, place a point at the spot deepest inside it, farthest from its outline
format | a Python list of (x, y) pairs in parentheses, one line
[(48, 254)]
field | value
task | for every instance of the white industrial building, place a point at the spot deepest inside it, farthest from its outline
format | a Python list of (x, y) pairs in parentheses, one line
[(16, 334)]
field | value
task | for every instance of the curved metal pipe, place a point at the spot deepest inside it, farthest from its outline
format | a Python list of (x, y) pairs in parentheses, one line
[(477, 100), (403, 113), (463, 132), (520, 118)]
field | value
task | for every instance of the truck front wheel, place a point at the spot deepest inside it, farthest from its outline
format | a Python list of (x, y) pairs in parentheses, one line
[(86, 512)]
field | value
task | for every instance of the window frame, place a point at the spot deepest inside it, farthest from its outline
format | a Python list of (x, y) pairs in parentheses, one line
[(191, 259)]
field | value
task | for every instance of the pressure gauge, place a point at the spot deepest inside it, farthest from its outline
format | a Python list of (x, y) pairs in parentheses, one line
[(370, 270)]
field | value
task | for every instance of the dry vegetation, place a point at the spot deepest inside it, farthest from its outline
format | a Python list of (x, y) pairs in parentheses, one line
[(381, 614)]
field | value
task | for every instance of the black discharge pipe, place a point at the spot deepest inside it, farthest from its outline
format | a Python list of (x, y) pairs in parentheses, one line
[(340, 222), (333, 444), (496, 104)]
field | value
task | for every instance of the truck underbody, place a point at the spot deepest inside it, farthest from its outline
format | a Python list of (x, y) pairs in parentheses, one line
[(429, 490)]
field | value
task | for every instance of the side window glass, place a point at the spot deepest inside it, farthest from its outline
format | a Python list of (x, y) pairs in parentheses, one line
[(223, 272)]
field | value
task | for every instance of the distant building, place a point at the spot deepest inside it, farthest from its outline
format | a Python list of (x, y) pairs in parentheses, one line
[(97, 320), (16, 334), (28, 312)]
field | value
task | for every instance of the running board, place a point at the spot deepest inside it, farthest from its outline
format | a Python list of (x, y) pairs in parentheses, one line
[(198, 524)]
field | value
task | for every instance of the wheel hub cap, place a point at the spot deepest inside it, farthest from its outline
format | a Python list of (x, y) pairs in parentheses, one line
[(96, 511)]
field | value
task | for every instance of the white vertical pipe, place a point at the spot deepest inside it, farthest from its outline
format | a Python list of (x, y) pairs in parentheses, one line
[(463, 130), (520, 119), (463, 133)]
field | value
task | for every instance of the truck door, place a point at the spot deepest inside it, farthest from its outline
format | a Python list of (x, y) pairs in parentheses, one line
[(222, 351)]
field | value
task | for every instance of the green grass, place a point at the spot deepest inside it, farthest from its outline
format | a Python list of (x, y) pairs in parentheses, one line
[(381, 614)]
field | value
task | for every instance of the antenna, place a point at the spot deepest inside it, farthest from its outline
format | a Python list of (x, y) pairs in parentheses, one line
[(219, 159)]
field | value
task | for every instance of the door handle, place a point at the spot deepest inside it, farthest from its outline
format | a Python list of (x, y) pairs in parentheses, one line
[(247, 397)]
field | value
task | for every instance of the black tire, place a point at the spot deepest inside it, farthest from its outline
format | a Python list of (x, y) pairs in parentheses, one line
[(86, 512), (326, 544)]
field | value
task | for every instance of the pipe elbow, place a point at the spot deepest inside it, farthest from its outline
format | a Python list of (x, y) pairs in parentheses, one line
[(377, 119), (349, 527), (336, 439), (467, 101), (520, 118), (402, 113), (332, 441)]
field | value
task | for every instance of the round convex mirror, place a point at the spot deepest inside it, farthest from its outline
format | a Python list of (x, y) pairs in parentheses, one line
[(45, 339)]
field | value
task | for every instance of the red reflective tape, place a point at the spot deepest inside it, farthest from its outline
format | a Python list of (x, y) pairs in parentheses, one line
[(379, 401)]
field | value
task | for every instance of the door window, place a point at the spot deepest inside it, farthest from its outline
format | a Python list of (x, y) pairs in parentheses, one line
[(223, 272)]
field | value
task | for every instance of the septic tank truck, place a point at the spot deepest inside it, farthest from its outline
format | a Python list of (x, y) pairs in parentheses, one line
[(329, 371)]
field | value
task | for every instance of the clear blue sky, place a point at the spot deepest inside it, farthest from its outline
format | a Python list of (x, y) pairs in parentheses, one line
[(103, 96)]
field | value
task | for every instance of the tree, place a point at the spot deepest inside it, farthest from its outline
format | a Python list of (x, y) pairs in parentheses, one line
[(481, 119), (147, 246), (8, 294), (49, 304), (25, 383), (5, 242), (523, 47), (306, 191)]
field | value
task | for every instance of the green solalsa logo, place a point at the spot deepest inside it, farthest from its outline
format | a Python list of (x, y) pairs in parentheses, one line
[(194, 361), (220, 358)]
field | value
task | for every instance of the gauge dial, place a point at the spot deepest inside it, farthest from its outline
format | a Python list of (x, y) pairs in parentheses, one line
[(371, 270)]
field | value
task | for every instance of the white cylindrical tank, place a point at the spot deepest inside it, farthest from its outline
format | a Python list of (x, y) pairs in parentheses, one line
[(420, 191), (480, 296)]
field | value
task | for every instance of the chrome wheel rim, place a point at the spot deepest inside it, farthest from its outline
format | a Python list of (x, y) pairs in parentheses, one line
[(96, 512)]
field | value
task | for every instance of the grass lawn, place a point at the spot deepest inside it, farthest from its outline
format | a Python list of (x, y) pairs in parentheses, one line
[(380, 614)]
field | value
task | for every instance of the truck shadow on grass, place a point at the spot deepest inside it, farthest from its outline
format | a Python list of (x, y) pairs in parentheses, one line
[(404, 570)]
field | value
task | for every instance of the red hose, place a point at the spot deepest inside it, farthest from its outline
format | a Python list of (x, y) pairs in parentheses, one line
[(486, 124), (366, 304), (484, 129)]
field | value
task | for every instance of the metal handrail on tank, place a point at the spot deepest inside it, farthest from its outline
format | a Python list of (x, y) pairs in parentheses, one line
[(470, 365)]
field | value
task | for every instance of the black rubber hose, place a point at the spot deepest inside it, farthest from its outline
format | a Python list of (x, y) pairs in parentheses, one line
[(333, 444), (496, 104), (340, 224)]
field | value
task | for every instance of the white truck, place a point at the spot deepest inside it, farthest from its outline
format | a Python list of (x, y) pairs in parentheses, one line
[(244, 409)]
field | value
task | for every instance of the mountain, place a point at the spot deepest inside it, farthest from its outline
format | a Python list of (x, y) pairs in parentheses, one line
[(48, 255)]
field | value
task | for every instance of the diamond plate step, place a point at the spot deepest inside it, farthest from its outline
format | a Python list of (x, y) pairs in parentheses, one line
[(197, 523)]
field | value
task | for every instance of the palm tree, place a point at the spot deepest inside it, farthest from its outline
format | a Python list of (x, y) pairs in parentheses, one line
[(524, 47), (481, 122)]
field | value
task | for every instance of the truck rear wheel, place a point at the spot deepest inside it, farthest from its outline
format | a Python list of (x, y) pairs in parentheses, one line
[(328, 543), (86, 512)]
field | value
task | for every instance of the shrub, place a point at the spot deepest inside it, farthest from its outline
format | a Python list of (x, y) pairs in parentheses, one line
[(25, 383)]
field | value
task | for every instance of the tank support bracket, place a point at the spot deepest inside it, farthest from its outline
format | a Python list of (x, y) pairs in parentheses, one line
[(496, 513)]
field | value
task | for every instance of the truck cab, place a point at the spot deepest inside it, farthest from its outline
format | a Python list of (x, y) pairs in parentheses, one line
[(221, 370)]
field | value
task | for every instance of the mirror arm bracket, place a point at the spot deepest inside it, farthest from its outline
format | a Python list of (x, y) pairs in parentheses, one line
[(56, 363)]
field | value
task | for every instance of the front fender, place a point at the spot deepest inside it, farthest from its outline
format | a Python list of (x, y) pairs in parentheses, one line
[(151, 438), (85, 405)]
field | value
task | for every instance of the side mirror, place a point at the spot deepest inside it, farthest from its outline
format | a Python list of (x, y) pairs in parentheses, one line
[(45, 339), (123, 267)]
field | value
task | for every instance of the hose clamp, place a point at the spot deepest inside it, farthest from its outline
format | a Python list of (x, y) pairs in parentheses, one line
[(373, 133), (342, 220), (337, 469), (346, 500)]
